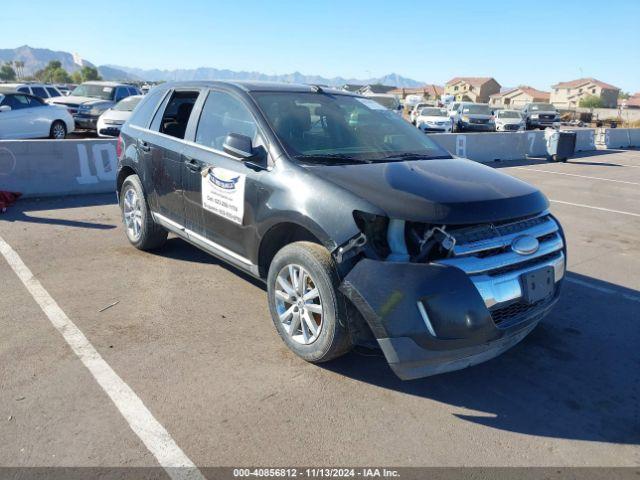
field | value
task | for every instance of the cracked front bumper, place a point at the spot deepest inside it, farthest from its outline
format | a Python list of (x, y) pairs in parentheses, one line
[(430, 319)]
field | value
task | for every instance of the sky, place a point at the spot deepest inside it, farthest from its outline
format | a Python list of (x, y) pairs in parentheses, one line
[(537, 43)]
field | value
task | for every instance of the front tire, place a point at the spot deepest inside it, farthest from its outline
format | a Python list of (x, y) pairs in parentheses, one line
[(142, 232), (58, 130), (308, 311)]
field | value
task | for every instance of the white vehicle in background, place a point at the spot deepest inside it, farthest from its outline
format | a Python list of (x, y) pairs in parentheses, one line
[(509, 121), (111, 121), (390, 102), (412, 100), (413, 114), (39, 90), (433, 119), (27, 116)]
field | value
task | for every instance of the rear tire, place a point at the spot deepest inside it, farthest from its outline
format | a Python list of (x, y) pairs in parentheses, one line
[(58, 130), (308, 310), (142, 232)]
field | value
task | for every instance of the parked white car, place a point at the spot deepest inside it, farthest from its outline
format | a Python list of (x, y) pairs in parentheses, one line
[(26, 116), (509, 121), (413, 114), (111, 121), (40, 90), (433, 119)]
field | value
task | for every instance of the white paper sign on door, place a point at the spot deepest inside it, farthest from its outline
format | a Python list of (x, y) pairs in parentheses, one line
[(223, 193)]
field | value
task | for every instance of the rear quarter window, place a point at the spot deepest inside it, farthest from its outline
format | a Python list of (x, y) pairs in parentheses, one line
[(141, 116)]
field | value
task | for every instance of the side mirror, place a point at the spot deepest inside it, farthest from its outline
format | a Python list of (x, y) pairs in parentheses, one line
[(5, 108), (238, 146)]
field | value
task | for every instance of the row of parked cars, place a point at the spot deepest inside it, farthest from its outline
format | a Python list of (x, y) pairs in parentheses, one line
[(480, 117), (41, 111)]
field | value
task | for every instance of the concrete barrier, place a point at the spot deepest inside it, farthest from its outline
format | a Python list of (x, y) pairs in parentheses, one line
[(585, 140), (487, 147), (57, 167), (621, 137)]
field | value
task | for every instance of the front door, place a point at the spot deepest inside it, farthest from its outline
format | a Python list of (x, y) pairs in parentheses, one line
[(221, 191)]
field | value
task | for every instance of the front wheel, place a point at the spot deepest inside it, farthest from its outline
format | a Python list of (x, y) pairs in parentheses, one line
[(58, 130), (141, 230), (308, 311)]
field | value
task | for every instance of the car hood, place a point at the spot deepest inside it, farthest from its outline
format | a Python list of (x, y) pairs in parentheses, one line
[(432, 118), (451, 191), (509, 120), (477, 116), (116, 115), (544, 112), (76, 100)]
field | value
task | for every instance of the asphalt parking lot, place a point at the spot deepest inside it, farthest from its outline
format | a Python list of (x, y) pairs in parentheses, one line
[(193, 339)]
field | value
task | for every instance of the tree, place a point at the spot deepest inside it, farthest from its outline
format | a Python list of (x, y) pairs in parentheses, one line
[(7, 73), (591, 101), (89, 74)]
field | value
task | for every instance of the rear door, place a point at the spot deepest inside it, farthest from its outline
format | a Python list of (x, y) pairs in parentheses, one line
[(161, 148), (17, 122), (224, 213)]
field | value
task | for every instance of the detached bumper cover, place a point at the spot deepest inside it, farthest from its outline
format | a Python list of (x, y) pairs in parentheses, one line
[(430, 319)]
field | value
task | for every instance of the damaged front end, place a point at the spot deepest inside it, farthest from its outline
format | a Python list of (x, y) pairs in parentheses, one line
[(443, 297)]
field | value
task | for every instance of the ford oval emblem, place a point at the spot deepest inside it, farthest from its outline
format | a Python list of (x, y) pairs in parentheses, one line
[(525, 245)]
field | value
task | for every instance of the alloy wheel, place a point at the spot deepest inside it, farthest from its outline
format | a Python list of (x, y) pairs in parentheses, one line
[(298, 304), (58, 131), (132, 214)]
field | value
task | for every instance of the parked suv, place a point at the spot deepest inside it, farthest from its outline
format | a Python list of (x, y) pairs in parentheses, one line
[(40, 90), (91, 99), (540, 115), (475, 117), (362, 227)]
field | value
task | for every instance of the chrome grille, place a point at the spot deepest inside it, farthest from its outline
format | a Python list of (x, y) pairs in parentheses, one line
[(484, 252)]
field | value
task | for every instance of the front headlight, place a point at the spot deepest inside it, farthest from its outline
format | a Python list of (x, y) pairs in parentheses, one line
[(535, 115), (97, 111), (465, 118)]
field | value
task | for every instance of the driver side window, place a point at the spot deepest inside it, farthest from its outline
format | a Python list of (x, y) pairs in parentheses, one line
[(223, 114)]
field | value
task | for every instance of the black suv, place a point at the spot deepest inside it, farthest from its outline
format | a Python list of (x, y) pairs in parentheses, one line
[(540, 115), (362, 227)]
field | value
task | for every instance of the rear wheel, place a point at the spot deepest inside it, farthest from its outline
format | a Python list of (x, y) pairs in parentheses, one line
[(141, 230), (308, 311), (58, 130)]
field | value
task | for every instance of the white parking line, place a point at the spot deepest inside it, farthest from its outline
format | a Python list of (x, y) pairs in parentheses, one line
[(576, 175), (607, 290), (596, 208), (177, 465)]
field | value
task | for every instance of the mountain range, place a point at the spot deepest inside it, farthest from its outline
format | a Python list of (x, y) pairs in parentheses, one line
[(37, 58)]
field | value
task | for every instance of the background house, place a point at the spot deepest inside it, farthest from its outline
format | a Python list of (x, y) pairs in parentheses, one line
[(428, 92), (567, 95), (632, 102), (472, 89), (518, 97), (375, 89)]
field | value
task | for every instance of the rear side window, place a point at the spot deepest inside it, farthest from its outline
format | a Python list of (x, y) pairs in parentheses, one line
[(141, 116), (39, 92), (223, 114), (24, 90), (17, 102), (177, 113)]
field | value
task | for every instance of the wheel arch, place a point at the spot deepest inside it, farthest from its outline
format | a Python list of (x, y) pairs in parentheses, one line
[(123, 173), (279, 236)]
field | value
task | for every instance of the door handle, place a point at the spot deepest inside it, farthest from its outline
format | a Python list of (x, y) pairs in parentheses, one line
[(144, 146), (192, 164)]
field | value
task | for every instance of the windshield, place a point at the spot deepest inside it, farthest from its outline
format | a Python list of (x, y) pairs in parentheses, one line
[(128, 104), (93, 91), (478, 109), (509, 114), (543, 107), (317, 127), (433, 112)]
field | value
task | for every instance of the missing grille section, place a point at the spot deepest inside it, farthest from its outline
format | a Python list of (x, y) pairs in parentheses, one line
[(507, 316)]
